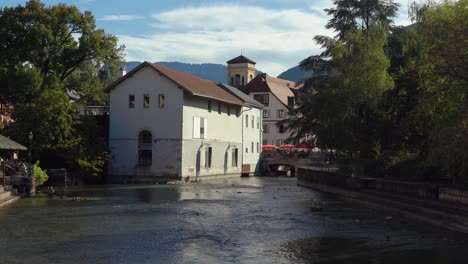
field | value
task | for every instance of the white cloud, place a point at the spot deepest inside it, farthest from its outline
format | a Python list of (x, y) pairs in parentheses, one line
[(275, 39), (121, 17)]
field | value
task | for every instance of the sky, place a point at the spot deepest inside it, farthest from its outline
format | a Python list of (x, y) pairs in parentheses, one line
[(277, 34)]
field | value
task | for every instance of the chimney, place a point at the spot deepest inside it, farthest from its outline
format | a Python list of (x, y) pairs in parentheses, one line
[(122, 72)]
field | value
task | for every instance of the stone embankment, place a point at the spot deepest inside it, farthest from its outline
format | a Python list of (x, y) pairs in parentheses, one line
[(439, 205), (6, 196)]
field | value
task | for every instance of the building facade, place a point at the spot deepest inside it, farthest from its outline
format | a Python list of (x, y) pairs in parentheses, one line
[(165, 124), (276, 94), (251, 130)]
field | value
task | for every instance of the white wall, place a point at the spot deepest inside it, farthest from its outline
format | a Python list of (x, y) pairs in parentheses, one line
[(251, 134), (164, 124), (224, 133), (273, 135)]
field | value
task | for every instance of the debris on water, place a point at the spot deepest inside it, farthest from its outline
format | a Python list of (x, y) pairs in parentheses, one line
[(274, 197), (239, 192), (388, 218)]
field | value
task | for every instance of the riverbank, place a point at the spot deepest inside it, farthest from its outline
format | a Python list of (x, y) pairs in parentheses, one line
[(414, 201)]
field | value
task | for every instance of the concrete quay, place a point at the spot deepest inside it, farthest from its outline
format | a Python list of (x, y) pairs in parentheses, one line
[(423, 204)]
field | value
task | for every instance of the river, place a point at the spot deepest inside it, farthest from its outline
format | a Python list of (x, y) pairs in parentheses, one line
[(241, 220)]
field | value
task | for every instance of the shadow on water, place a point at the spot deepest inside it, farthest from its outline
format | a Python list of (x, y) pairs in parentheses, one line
[(334, 250)]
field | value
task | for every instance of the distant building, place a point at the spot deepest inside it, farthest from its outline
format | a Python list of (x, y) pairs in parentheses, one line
[(166, 124), (241, 71), (277, 95)]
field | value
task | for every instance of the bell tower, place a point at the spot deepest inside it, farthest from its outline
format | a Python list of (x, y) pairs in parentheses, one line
[(241, 70)]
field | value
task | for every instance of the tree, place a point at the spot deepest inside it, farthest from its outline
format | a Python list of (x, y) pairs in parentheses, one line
[(43, 52), (350, 15), (58, 41), (437, 49), (338, 106)]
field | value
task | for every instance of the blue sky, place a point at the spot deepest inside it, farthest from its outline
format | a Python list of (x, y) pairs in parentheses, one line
[(277, 34)]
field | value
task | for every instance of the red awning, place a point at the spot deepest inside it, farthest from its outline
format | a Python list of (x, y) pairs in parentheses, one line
[(268, 147), (289, 146)]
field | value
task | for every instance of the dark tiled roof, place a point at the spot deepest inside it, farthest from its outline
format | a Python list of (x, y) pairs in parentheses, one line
[(279, 87), (241, 59), (192, 84), (239, 94)]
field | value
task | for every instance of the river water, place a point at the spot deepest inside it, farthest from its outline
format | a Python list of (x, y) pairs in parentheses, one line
[(242, 220)]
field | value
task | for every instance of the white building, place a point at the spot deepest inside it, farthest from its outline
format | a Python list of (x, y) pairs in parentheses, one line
[(165, 124), (276, 94), (251, 129)]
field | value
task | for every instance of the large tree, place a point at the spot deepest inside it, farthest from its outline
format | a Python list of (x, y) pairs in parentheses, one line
[(45, 50), (339, 105), (437, 50)]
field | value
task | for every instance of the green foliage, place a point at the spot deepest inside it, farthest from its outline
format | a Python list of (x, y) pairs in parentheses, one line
[(340, 108), (437, 49), (50, 117), (40, 174), (351, 15), (45, 50)]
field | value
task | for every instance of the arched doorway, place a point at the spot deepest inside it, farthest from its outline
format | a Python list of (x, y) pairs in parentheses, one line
[(145, 148)]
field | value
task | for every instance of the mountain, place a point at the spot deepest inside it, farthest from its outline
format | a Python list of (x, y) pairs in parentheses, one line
[(210, 71), (295, 74), (218, 72)]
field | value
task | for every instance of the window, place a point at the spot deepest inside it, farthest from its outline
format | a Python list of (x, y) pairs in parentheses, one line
[(281, 129), (243, 80), (250, 77), (200, 127), (232, 80), (219, 108), (258, 122), (235, 154), (131, 101), (229, 110), (161, 101), (266, 113), (246, 150), (262, 98), (146, 101), (258, 147), (237, 80), (208, 155), (209, 106), (237, 111), (253, 121), (266, 129), (145, 148), (280, 113), (252, 147), (246, 120), (279, 142)]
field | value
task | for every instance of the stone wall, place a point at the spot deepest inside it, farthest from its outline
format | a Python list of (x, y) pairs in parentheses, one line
[(453, 195)]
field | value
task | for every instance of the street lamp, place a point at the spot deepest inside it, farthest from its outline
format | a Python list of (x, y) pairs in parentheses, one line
[(30, 175)]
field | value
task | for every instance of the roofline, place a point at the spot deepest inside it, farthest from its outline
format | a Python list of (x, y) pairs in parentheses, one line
[(145, 63), (245, 102)]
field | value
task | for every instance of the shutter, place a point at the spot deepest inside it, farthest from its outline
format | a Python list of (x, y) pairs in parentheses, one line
[(196, 127), (205, 125)]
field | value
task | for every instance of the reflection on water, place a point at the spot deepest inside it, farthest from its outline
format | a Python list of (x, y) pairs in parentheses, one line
[(246, 220)]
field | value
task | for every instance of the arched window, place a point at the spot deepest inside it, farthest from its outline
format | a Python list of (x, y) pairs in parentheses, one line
[(250, 77), (237, 80), (243, 80), (232, 80), (145, 148)]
